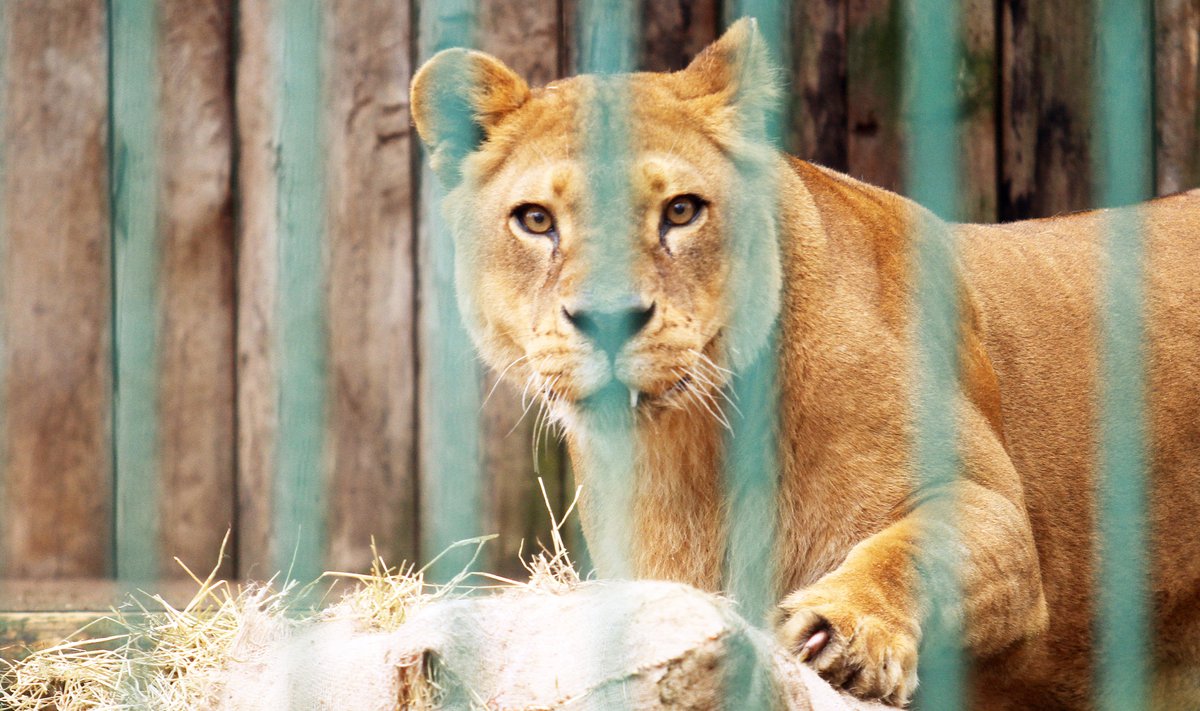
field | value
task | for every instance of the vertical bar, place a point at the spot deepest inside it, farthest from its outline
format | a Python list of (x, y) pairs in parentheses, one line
[(607, 41), (751, 462), (134, 199), (299, 491), (451, 470), (932, 167), (751, 457), (1125, 175), (607, 50)]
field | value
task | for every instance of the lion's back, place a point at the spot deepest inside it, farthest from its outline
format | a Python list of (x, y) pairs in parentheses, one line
[(1041, 293)]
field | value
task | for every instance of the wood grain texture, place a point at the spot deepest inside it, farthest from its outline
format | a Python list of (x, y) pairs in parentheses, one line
[(196, 284), (371, 288), (818, 126), (56, 290), (526, 37), (257, 279), (978, 75), (875, 147), (1045, 108), (674, 31), (1177, 94)]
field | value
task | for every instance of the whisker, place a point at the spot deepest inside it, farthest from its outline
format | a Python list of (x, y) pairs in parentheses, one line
[(717, 414), (500, 378), (717, 388), (709, 361)]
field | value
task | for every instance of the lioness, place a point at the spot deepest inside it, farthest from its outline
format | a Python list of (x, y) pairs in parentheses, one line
[(836, 276)]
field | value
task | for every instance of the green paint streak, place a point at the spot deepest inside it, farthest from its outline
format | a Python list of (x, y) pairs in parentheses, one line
[(932, 170), (1125, 175), (134, 208), (451, 458), (299, 487)]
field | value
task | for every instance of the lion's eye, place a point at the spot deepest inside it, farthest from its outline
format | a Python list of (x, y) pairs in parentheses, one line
[(681, 210), (534, 219)]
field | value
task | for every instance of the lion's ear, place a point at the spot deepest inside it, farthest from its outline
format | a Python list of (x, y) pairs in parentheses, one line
[(736, 69), (457, 98)]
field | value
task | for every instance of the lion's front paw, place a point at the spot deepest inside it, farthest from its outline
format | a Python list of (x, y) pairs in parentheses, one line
[(849, 648)]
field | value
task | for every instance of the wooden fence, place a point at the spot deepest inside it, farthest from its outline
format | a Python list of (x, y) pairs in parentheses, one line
[(70, 290)]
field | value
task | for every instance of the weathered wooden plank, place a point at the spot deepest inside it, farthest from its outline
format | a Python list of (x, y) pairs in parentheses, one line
[(1045, 107), (818, 126), (23, 632), (875, 144), (1177, 95), (282, 307), (56, 285), (371, 285), (196, 284), (134, 163), (977, 121), (87, 594), (674, 31), (257, 93), (526, 37)]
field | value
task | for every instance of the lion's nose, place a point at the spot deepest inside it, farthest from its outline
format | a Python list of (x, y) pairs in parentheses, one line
[(610, 330)]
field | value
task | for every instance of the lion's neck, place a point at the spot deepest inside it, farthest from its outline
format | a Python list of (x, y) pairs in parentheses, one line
[(665, 515)]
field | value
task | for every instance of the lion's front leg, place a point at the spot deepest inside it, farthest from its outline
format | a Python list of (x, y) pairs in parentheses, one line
[(859, 626)]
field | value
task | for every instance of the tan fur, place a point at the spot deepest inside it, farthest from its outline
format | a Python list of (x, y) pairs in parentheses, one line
[(838, 273)]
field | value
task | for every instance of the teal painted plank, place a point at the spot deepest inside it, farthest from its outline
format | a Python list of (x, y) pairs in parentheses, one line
[(932, 180), (1125, 175), (134, 206), (299, 485), (451, 457)]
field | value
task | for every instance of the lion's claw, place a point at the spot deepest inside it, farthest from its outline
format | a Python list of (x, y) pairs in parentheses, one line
[(860, 653)]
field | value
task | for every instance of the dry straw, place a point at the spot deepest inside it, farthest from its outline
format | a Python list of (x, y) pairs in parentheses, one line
[(174, 659)]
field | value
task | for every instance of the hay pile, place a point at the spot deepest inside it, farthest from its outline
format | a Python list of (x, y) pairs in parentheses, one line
[(395, 641)]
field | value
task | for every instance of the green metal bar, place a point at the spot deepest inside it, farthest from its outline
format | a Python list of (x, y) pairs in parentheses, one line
[(774, 25), (451, 459), (607, 38), (133, 184), (751, 457), (299, 486), (931, 172), (607, 33), (1125, 175)]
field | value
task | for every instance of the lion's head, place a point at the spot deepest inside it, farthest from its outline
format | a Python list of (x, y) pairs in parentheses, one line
[(600, 222)]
